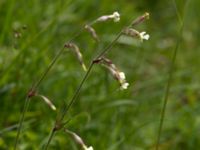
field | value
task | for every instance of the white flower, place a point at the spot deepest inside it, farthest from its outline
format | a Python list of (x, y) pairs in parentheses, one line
[(144, 36), (122, 80), (124, 86), (116, 16), (88, 148), (122, 76)]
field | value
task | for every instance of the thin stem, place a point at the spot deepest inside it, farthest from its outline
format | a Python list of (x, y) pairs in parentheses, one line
[(171, 71), (110, 45), (7, 19), (166, 95), (48, 69), (50, 138), (76, 92), (25, 108)]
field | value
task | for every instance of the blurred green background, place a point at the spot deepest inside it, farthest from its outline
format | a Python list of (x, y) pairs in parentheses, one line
[(32, 32)]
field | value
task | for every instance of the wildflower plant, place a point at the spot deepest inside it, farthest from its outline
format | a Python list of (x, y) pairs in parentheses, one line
[(100, 59)]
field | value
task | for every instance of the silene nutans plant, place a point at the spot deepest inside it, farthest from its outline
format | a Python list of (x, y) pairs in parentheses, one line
[(101, 60)]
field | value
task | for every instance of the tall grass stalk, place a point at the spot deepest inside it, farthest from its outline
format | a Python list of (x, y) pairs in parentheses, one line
[(171, 72), (7, 19)]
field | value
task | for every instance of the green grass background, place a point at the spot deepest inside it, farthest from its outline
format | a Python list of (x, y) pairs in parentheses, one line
[(106, 118)]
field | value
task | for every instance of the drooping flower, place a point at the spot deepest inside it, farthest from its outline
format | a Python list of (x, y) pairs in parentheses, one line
[(33, 93), (115, 16), (92, 31), (78, 140), (134, 33), (116, 73), (48, 102), (78, 54)]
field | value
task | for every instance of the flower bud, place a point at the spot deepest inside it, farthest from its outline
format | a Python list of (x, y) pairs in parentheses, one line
[(92, 32), (78, 140), (140, 19), (78, 54), (47, 101)]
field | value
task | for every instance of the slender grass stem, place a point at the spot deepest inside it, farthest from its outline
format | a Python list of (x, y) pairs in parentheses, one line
[(50, 138), (110, 45), (76, 92), (26, 104), (166, 95), (168, 86), (7, 20)]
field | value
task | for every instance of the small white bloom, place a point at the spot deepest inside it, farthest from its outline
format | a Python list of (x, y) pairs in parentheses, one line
[(116, 16), (88, 148), (122, 76), (124, 86), (144, 36)]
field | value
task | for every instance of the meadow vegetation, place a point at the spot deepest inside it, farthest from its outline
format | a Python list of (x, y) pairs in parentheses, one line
[(164, 68)]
